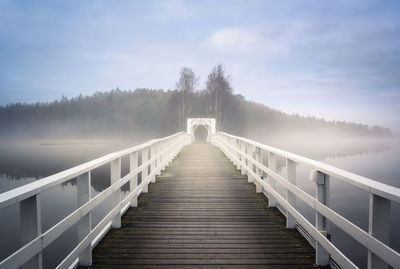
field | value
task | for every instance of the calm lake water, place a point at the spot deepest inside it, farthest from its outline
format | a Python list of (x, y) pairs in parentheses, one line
[(26, 162)]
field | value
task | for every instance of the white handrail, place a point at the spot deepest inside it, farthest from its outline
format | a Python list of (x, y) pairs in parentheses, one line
[(372, 186), (247, 155), (21, 193), (162, 151)]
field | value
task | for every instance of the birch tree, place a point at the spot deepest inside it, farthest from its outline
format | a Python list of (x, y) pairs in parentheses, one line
[(219, 92), (186, 86)]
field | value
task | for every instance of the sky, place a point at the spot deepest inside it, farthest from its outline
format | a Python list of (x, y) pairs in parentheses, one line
[(338, 60)]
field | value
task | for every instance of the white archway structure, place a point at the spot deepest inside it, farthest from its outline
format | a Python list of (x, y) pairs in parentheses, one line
[(208, 123)]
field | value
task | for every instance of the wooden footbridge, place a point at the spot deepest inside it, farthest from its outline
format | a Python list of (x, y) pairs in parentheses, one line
[(221, 204)]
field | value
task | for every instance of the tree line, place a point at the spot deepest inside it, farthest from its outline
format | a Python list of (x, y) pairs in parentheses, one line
[(151, 113)]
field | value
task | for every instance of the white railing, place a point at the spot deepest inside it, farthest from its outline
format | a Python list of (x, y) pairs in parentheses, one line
[(247, 155), (155, 155)]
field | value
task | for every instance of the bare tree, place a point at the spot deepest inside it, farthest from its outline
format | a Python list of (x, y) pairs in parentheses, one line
[(219, 92), (186, 85)]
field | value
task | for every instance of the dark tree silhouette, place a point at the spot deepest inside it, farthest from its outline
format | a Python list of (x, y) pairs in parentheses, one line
[(146, 113)]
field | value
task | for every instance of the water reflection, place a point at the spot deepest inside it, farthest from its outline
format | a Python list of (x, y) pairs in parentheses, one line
[(25, 162)]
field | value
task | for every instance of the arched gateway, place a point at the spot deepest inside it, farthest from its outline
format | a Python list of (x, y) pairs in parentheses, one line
[(208, 123)]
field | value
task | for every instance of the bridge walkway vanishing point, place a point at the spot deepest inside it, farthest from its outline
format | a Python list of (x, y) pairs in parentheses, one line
[(202, 213)]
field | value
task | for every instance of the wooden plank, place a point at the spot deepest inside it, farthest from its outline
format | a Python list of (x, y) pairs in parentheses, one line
[(202, 213)]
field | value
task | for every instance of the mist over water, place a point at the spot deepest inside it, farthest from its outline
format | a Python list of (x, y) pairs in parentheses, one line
[(24, 161), (315, 78)]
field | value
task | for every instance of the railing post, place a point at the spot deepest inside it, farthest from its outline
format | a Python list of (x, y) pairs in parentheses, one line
[(237, 154), (152, 163), (158, 151), (133, 164), (229, 153), (115, 176), (163, 154), (258, 157), (379, 226), (290, 197), (322, 195), (145, 158), (243, 158), (249, 162), (85, 223), (167, 153), (257, 151), (31, 227), (271, 182)]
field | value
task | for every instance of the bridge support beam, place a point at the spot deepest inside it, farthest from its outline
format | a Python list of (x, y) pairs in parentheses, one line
[(85, 223), (31, 227), (115, 176), (379, 226)]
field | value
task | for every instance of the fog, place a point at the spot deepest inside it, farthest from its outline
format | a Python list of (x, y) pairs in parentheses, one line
[(321, 144), (44, 156)]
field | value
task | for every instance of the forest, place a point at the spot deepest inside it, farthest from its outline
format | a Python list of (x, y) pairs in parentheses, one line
[(155, 112)]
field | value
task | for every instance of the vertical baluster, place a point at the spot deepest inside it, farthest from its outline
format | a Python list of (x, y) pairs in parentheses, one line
[(322, 195), (242, 157), (165, 154), (379, 226), (272, 164), (233, 151), (261, 161), (228, 152), (158, 152), (290, 197), (85, 223), (258, 158), (173, 150), (162, 148), (133, 164), (115, 176), (263, 173), (237, 145), (145, 158), (176, 146), (153, 163), (249, 162), (31, 227)]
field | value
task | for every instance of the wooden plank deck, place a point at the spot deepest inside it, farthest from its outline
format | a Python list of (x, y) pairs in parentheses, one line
[(202, 213)]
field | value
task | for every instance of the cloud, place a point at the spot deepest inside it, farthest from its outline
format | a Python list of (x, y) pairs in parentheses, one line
[(240, 42), (234, 39)]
